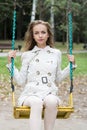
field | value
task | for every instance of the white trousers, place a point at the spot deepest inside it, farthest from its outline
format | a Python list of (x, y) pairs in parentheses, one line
[(36, 104)]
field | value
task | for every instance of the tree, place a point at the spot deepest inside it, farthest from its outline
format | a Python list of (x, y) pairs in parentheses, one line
[(80, 18), (55, 13), (61, 24), (23, 9), (5, 17), (33, 10), (52, 15)]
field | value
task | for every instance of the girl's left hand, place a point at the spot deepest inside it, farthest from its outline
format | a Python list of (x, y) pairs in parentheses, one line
[(71, 58)]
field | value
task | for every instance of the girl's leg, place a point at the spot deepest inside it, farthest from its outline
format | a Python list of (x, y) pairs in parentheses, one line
[(51, 103), (36, 105)]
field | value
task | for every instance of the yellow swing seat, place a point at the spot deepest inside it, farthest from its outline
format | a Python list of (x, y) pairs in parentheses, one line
[(23, 112)]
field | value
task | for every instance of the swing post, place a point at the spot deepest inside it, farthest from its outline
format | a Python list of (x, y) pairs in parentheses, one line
[(13, 99), (71, 100)]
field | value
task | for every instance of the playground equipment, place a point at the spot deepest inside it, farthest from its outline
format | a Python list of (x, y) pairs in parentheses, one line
[(24, 111)]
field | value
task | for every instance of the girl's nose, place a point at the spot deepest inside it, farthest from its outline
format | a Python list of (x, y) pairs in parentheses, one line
[(40, 35)]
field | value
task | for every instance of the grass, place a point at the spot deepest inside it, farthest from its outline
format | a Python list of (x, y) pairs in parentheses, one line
[(3, 62), (81, 61), (64, 47)]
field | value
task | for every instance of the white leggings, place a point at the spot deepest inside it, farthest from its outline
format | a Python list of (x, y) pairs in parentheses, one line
[(36, 104)]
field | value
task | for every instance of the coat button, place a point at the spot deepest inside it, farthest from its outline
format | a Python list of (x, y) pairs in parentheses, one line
[(37, 83), (48, 51), (49, 73), (37, 60), (37, 72), (49, 84)]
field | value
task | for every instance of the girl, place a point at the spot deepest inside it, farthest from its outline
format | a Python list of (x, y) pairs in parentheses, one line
[(39, 74)]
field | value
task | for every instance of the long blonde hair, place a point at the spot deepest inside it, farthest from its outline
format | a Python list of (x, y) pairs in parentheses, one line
[(29, 40)]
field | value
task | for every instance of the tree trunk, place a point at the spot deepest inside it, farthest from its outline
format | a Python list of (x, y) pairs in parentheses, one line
[(5, 29), (33, 10), (52, 16), (41, 9)]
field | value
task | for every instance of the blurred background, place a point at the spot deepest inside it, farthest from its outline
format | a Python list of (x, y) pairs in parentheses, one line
[(53, 11)]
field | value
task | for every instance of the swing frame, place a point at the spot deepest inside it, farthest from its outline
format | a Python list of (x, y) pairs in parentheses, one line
[(23, 112)]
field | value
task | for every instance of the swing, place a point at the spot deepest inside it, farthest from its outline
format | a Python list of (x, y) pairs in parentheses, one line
[(24, 111)]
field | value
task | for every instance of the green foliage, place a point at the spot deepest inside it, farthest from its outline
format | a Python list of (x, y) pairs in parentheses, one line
[(60, 9), (5, 10)]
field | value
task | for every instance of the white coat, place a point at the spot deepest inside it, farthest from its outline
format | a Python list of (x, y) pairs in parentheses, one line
[(40, 71)]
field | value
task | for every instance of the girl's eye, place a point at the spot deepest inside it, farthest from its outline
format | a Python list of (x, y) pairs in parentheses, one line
[(35, 32), (43, 32)]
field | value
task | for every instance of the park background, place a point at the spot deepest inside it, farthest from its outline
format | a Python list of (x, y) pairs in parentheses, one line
[(56, 13)]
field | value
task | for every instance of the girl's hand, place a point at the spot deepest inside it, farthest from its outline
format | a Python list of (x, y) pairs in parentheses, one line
[(71, 58), (11, 54)]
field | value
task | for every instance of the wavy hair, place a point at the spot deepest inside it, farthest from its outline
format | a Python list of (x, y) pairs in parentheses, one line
[(29, 40)]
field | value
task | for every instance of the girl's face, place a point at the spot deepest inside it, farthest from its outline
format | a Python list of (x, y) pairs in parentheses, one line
[(40, 35)]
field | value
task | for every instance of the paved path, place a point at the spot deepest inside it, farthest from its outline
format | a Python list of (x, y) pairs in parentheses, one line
[(3, 54), (7, 122)]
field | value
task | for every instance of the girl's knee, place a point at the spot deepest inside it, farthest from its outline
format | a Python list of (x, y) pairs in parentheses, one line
[(33, 102), (37, 103), (51, 101)]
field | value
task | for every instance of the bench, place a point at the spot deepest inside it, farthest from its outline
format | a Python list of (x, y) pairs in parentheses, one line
[(7, 46)]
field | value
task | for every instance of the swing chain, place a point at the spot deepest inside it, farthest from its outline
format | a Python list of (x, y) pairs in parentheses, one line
[(70, 41), (13, 44)]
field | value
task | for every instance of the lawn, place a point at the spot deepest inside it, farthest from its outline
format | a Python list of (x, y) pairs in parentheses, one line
[(81, 58), (81, 61)]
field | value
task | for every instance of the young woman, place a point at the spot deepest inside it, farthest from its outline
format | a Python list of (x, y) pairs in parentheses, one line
[(39, 74)]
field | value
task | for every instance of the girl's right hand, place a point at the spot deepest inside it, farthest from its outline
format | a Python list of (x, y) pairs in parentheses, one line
[(11, 54)]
